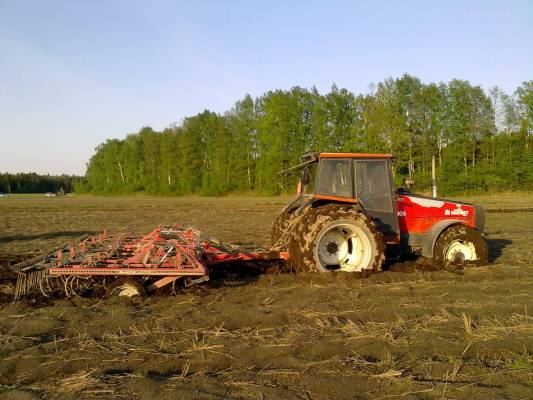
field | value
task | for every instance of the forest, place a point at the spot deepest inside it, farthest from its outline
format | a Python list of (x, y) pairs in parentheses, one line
[(34, 183), (480, 140)]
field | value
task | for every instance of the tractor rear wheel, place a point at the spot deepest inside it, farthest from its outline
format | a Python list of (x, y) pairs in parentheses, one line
[(460, 244), (336, 238)]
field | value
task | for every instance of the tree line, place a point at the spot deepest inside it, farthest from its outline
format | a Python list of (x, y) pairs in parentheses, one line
[(34, 183), (480, 140)]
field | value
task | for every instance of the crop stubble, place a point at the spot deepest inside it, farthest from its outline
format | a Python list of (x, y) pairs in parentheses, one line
[(433, 334)]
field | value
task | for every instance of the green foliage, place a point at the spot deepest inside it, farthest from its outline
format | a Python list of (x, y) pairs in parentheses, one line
[(34, 183), (480, 141)]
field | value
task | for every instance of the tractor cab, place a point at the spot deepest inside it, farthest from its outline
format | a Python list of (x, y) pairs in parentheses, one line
[(363, 179)]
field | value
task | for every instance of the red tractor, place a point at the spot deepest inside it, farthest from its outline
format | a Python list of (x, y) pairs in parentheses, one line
[(353, 217)]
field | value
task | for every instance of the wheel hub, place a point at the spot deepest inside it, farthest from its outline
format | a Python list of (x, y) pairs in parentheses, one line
[(343, 247), (332, 247), (461, 251)]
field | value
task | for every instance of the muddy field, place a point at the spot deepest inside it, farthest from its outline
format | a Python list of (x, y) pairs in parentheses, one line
[(411, 335)]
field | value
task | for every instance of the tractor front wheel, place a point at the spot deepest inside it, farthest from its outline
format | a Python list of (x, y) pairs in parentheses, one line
[(460, 244), (336, 238)]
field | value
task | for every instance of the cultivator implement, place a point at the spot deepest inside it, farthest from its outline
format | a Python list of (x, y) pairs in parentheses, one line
[(154, 260)]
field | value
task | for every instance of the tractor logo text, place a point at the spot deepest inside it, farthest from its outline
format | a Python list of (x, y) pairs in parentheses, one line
[(457, 211)]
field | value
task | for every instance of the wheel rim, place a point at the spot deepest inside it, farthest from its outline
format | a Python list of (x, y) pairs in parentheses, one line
[(343, 247), (461, 251)]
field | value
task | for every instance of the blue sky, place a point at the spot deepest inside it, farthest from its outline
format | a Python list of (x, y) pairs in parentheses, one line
[(75, 73)]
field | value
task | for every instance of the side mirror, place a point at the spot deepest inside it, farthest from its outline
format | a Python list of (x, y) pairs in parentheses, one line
[(303, 182), (305, 177)]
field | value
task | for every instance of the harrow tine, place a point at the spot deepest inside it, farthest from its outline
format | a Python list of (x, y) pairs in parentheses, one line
[(72, 291), (65, 286), (41, 287)]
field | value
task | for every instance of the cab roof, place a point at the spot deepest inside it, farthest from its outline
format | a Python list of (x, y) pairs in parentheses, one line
[(354, 155)]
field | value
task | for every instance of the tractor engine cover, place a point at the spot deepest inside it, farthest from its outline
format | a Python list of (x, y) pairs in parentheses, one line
[(422, 219)]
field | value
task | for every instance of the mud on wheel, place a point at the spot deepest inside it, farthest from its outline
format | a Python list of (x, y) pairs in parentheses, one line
[(460, 244), (279, 231), (336, 237)]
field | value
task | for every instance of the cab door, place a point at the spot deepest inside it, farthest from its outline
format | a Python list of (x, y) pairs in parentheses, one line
[(373, 189)]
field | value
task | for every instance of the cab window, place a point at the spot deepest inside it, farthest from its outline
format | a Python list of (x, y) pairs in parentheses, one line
[(335, 178)]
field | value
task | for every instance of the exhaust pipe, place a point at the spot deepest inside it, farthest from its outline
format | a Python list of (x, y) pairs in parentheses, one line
[(433, 178)]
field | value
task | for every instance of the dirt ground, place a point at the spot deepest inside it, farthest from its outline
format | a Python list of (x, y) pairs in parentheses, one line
[(410, 335)]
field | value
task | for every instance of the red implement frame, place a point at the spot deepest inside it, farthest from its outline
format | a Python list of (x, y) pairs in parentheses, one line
[(170, 253)]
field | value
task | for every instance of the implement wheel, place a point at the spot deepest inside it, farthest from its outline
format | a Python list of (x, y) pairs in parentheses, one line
[(460, 244), (336, 238), (126, 287)]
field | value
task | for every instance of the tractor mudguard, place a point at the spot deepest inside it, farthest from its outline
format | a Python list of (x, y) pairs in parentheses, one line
[(318, 200), (433, 234), (295, 203)]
